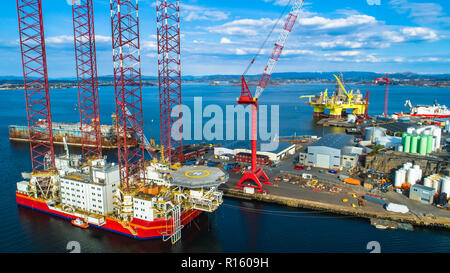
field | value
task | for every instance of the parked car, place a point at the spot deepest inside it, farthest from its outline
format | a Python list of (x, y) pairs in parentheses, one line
[(299, 167), (332, 171)]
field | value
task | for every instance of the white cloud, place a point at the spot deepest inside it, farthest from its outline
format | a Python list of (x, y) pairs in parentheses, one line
[(59, 39), (422, 13), (419, 33), (250, 27), (148, 45), (344, 53), (327, 24), (68, 39), (225, 40), (240, 51), (193, 13), (338, 44), (287, 52)]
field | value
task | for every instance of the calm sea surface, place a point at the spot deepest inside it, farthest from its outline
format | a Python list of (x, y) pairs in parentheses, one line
[(236, 226)]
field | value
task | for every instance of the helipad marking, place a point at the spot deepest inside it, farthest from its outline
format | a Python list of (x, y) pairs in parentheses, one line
[(196, 173)]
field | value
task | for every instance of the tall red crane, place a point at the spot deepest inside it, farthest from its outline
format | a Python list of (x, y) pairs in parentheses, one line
[(387, 81), (128, 94), (169, 72), (257, 174), (86, 66), (34, 64)]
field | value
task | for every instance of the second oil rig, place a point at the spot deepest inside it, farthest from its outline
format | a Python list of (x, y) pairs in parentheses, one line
[(338, 104)]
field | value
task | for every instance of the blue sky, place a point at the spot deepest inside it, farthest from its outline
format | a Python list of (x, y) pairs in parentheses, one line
[(221, 36)]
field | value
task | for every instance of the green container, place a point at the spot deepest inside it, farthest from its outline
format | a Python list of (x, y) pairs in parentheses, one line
[(414, 144), (429, 144), (407, 144), (423, 145), (404, 139)]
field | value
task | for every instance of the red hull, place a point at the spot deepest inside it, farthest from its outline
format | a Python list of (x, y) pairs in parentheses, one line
[(138, 229), (423, 116)]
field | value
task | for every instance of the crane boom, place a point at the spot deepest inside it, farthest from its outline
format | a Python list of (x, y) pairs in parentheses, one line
[(279, 45)]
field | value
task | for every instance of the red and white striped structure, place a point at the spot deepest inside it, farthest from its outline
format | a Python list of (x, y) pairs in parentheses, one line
[(279, 46), (32, 45), (86, 66), (257, 174), (127, 83), (169, 69)]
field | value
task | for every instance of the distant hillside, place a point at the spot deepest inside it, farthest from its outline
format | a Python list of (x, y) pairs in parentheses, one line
[(349, 76)]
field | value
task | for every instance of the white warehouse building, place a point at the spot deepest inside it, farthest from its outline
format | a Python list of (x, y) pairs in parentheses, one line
[(332, 151), (282, 149)]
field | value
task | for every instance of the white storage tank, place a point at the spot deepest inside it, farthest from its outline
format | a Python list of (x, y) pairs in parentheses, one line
[(445, 185), (437, 185), (411, 176), (400, 178), (427, 182), (436, 132)]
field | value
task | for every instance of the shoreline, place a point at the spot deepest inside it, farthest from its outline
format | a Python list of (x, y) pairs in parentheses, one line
[(410, 218)]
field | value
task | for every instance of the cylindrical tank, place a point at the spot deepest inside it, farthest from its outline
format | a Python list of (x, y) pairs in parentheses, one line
[(436, 131), (403, 140), (411, 176), (400, 178), (429, 144), (414, 142), (437, 185), (445, 185), (423, 145), (368, 133), (407, 144), (427, 182), (407, 165)]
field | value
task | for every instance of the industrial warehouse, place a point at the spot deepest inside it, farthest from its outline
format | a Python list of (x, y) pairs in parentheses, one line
[(237, 147), (332, 151)]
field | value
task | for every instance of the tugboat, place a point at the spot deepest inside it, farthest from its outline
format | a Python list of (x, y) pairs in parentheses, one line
[(79, 223)]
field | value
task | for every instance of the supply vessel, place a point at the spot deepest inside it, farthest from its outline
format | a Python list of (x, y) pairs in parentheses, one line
[(434, 111), (160, 204)]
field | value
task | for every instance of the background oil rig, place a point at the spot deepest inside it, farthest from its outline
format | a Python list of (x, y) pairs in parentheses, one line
[(339, 102)]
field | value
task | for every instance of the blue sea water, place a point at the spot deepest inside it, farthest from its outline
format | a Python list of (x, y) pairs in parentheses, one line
[(238, 226)]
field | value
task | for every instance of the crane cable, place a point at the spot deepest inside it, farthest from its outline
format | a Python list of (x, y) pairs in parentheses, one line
[(267, 38)]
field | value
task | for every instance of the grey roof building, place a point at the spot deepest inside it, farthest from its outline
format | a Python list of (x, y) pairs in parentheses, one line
[(422, 193), (329, 150)]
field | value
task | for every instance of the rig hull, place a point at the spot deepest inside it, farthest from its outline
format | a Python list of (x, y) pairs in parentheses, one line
[(72, 133), (137, 229), (424, 116)]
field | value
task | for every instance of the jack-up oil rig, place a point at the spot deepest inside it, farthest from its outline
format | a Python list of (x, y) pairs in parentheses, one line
[(139, 198)]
